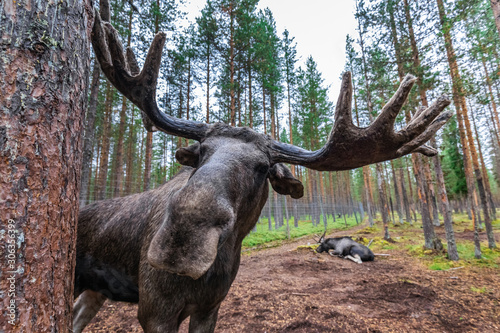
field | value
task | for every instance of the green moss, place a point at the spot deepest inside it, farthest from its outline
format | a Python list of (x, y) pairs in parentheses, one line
[(482, 290), (439, 261), (368, 230), (307, 247)]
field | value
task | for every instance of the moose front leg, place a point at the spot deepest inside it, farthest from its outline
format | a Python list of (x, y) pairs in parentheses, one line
[(202, 322), (334, 253), (86, 307)]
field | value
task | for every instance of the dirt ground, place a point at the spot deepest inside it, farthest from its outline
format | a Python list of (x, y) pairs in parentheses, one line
[(285, 289)]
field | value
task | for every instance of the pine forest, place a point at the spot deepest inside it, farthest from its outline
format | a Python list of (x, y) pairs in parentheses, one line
[(232, 65)]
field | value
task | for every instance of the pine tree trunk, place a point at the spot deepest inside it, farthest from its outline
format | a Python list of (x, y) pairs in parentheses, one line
[(495, 119), (207, 83), (118, 166), (106, 133), (431, 194), (140, 169), (484, 172), (396, 194), (264, 108), (431, 240), (368, 198), (232, 69), (436, 162), (321, 199), (44, 78), (495, 5), (270, 213), (276, 212), (273, 118), (96, 172), (147, 161), (404, 194), (89, 134), (384, 208), (366, 172), (130, 156), (461, 112), (445, 207), (117, 172)]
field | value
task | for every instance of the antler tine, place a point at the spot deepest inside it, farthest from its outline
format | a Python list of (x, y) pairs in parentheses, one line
[(423, 118), (99, 43), (426, 150), (419, 111), (109, 53), (385, 121), (135, 70), (132, 62), (425, 136), (104, 10), (116, 52), (343, 116), (151, 67)]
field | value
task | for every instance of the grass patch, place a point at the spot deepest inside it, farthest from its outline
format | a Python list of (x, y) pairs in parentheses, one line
[(496, 224), (305, 227)]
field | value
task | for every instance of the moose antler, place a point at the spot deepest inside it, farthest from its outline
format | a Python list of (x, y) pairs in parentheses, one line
[(322, 238), (139, 86), (349, 146)]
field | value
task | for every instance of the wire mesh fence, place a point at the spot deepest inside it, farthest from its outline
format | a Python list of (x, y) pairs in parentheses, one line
[(316, 209), (281, 210)]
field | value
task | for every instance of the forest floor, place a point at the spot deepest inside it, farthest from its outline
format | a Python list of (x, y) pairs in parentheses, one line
[(289, 288)]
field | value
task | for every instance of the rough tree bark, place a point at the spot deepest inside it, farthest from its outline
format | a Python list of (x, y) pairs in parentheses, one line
[(495, 5), (44, 76)]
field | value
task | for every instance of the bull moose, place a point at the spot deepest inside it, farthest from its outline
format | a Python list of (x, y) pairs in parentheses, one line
[(175, 250)]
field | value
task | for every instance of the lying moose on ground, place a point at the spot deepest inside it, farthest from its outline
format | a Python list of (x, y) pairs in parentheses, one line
[(345, 247), (176, 249)]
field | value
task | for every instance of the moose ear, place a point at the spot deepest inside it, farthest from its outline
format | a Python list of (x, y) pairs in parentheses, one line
[(189, 156), (284, 182)]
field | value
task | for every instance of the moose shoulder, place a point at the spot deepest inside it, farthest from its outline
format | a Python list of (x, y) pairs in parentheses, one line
[(176, 249)]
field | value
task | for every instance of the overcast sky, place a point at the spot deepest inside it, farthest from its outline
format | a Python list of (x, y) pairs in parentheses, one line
[(319, 27)]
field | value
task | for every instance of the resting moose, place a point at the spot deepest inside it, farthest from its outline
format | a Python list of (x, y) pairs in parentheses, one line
[(345, 247), (176, 249)]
